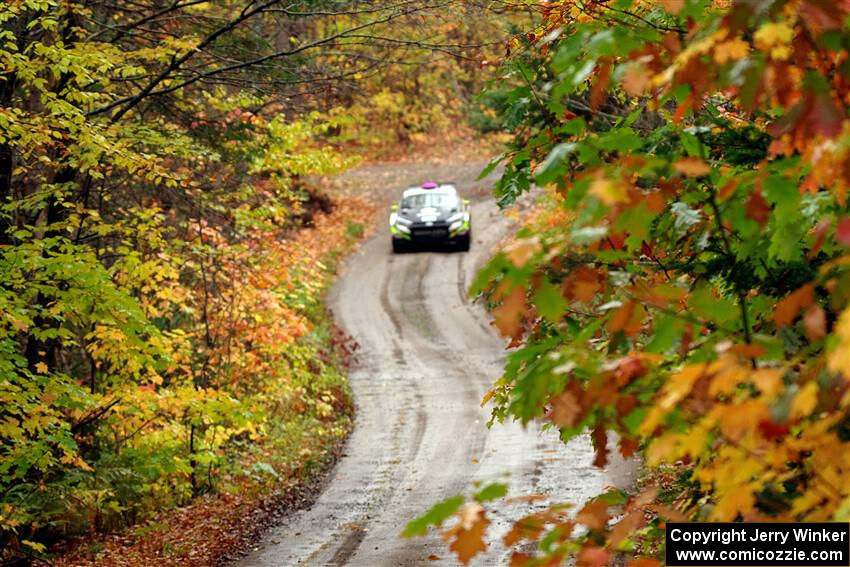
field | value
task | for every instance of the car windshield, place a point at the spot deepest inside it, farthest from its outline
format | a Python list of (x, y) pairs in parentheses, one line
[(420, 200)]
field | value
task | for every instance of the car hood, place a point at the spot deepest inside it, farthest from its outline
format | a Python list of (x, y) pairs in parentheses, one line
[(427, 214)]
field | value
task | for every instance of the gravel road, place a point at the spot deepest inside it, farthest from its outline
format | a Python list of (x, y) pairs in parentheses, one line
[(427, 356)]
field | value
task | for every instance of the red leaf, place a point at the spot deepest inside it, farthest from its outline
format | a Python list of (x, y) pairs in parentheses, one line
[(771, 430), (758, 209), (842, 233), (600, 441)]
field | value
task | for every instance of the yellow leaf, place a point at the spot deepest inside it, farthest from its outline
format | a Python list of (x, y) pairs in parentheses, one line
[(739, 500), (608, 191), (737, 421), (805, 401), (775, 38), (731, 50), (768, 381), (41, 368)]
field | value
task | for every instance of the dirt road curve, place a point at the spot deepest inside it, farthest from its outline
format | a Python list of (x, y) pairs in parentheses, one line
[(427, 357)]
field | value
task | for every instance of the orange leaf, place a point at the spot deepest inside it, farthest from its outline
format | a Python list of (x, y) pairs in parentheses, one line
[(468, 535), (594, 515), (692, 167), (509, 315), (585, 284), (736, 421), (635, 79), (593, 557), (566, 409), (628, 524), (672, 6), (788, 308), (520, 559), (521, 251)]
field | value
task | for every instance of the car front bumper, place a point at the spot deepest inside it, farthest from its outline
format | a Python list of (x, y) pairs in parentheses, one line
[(433, 233)]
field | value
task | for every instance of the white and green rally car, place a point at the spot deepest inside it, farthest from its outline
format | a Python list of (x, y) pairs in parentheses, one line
[(433, 213)]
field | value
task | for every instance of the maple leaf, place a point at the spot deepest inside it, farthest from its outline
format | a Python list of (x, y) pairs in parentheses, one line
[(467, 536), (509, 315), (788, 308), (594, 515), (758, 209), (41, 368), (566, 410)]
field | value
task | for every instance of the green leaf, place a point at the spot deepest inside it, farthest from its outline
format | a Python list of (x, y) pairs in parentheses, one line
[(491, 166), (554, 166), (492, 491), (550, 302), (438, 514), (691, 144)]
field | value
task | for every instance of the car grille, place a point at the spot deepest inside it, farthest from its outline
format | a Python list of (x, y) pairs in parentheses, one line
[(431, 232)]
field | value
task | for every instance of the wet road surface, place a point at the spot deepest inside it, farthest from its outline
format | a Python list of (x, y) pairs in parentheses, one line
[(427, 356)]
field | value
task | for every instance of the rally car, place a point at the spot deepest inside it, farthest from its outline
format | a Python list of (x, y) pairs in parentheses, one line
[(432, 213)]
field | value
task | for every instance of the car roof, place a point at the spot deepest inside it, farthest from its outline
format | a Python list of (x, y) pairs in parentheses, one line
[(443, 188)]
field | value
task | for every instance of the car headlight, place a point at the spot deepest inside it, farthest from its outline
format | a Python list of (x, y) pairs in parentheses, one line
[(402, 228), (454, 218), (455, 225), (403, 221)]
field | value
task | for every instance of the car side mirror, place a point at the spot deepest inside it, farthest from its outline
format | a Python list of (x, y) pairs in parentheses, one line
[(394, 208)]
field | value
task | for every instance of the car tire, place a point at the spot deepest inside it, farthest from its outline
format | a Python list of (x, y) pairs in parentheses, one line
[(463, 242), (399, 246)]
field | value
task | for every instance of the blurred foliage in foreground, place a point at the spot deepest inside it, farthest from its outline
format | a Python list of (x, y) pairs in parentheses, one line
[(684, 291)]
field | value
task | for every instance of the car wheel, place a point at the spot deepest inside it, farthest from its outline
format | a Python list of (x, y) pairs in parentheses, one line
[(398, 246), (463, 242)]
